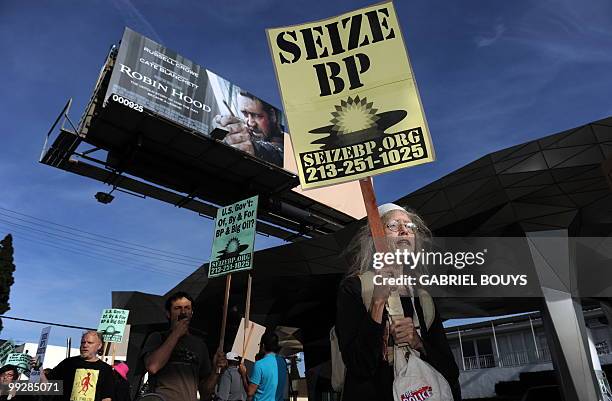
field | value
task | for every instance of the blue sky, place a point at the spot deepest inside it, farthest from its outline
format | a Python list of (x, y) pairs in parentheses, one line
[(491, 74)]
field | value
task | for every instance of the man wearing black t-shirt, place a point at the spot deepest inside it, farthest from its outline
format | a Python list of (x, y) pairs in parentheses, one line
[(86, 377)]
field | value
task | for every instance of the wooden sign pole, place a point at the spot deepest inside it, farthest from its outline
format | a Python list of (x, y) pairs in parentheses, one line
[(376, 227), (248, 340), (106, 349), (247, 312), (114, 348), (228, 282), (378, 232)]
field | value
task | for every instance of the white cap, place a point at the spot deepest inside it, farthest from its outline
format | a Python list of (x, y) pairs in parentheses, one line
[(387, 207), (232, 356)]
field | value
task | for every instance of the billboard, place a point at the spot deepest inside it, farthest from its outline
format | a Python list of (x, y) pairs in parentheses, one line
[(233, 243), (350, 96), (149, 76)]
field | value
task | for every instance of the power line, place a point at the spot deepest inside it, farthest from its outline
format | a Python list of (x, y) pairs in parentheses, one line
[(21, 233), (98, 257), (47, 323), (92, 243), (99, 235), (160, 253), (77, 248), (94, 250)]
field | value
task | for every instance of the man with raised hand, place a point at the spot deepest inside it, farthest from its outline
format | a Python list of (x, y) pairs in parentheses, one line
[(177, 361)]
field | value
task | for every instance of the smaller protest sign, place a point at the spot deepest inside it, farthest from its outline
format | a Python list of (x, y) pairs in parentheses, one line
[(40, 354), (21, 361), (5, 349), (234, 238), (252, 338), (112, 324)]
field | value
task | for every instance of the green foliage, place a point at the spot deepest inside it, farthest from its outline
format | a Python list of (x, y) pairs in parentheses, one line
[(7, 267)]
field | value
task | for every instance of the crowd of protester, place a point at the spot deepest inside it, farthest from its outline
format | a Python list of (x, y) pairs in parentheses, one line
[(177, 364), (370, 334)]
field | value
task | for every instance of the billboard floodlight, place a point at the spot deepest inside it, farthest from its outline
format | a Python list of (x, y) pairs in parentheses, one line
[(104, 197)]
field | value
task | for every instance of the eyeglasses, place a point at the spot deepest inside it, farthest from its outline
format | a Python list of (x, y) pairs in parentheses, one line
[(394, 225)]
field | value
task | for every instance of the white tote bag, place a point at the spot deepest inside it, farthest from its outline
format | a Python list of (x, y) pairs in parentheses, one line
[(416, 380)]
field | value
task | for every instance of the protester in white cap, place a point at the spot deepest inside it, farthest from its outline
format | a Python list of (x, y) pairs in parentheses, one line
[(365, 335), (230, 386)]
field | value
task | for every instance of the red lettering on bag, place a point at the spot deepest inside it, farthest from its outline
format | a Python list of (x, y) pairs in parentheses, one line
[(418, 395)]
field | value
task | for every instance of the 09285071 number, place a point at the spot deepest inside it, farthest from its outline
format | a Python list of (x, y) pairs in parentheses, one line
[(52, 387)]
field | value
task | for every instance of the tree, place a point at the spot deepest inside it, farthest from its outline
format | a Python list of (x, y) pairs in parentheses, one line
[(7, 267)]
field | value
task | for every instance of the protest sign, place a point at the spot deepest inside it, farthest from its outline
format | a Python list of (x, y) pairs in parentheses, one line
[(40, 354), (5, 349), (112, 324), (251, 339), (350, 96), (232, 248), (21, 361)]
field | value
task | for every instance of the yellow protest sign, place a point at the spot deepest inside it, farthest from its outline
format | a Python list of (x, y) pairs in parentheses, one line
[(350, 96)]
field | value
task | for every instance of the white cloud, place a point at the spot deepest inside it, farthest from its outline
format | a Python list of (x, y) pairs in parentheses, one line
[(135, 19), (488, 41)]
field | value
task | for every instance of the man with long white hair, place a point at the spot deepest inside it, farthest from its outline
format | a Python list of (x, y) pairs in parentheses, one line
[(366, 334)]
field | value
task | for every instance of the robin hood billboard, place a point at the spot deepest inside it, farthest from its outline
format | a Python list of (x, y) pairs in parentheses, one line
[(150, 76)]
